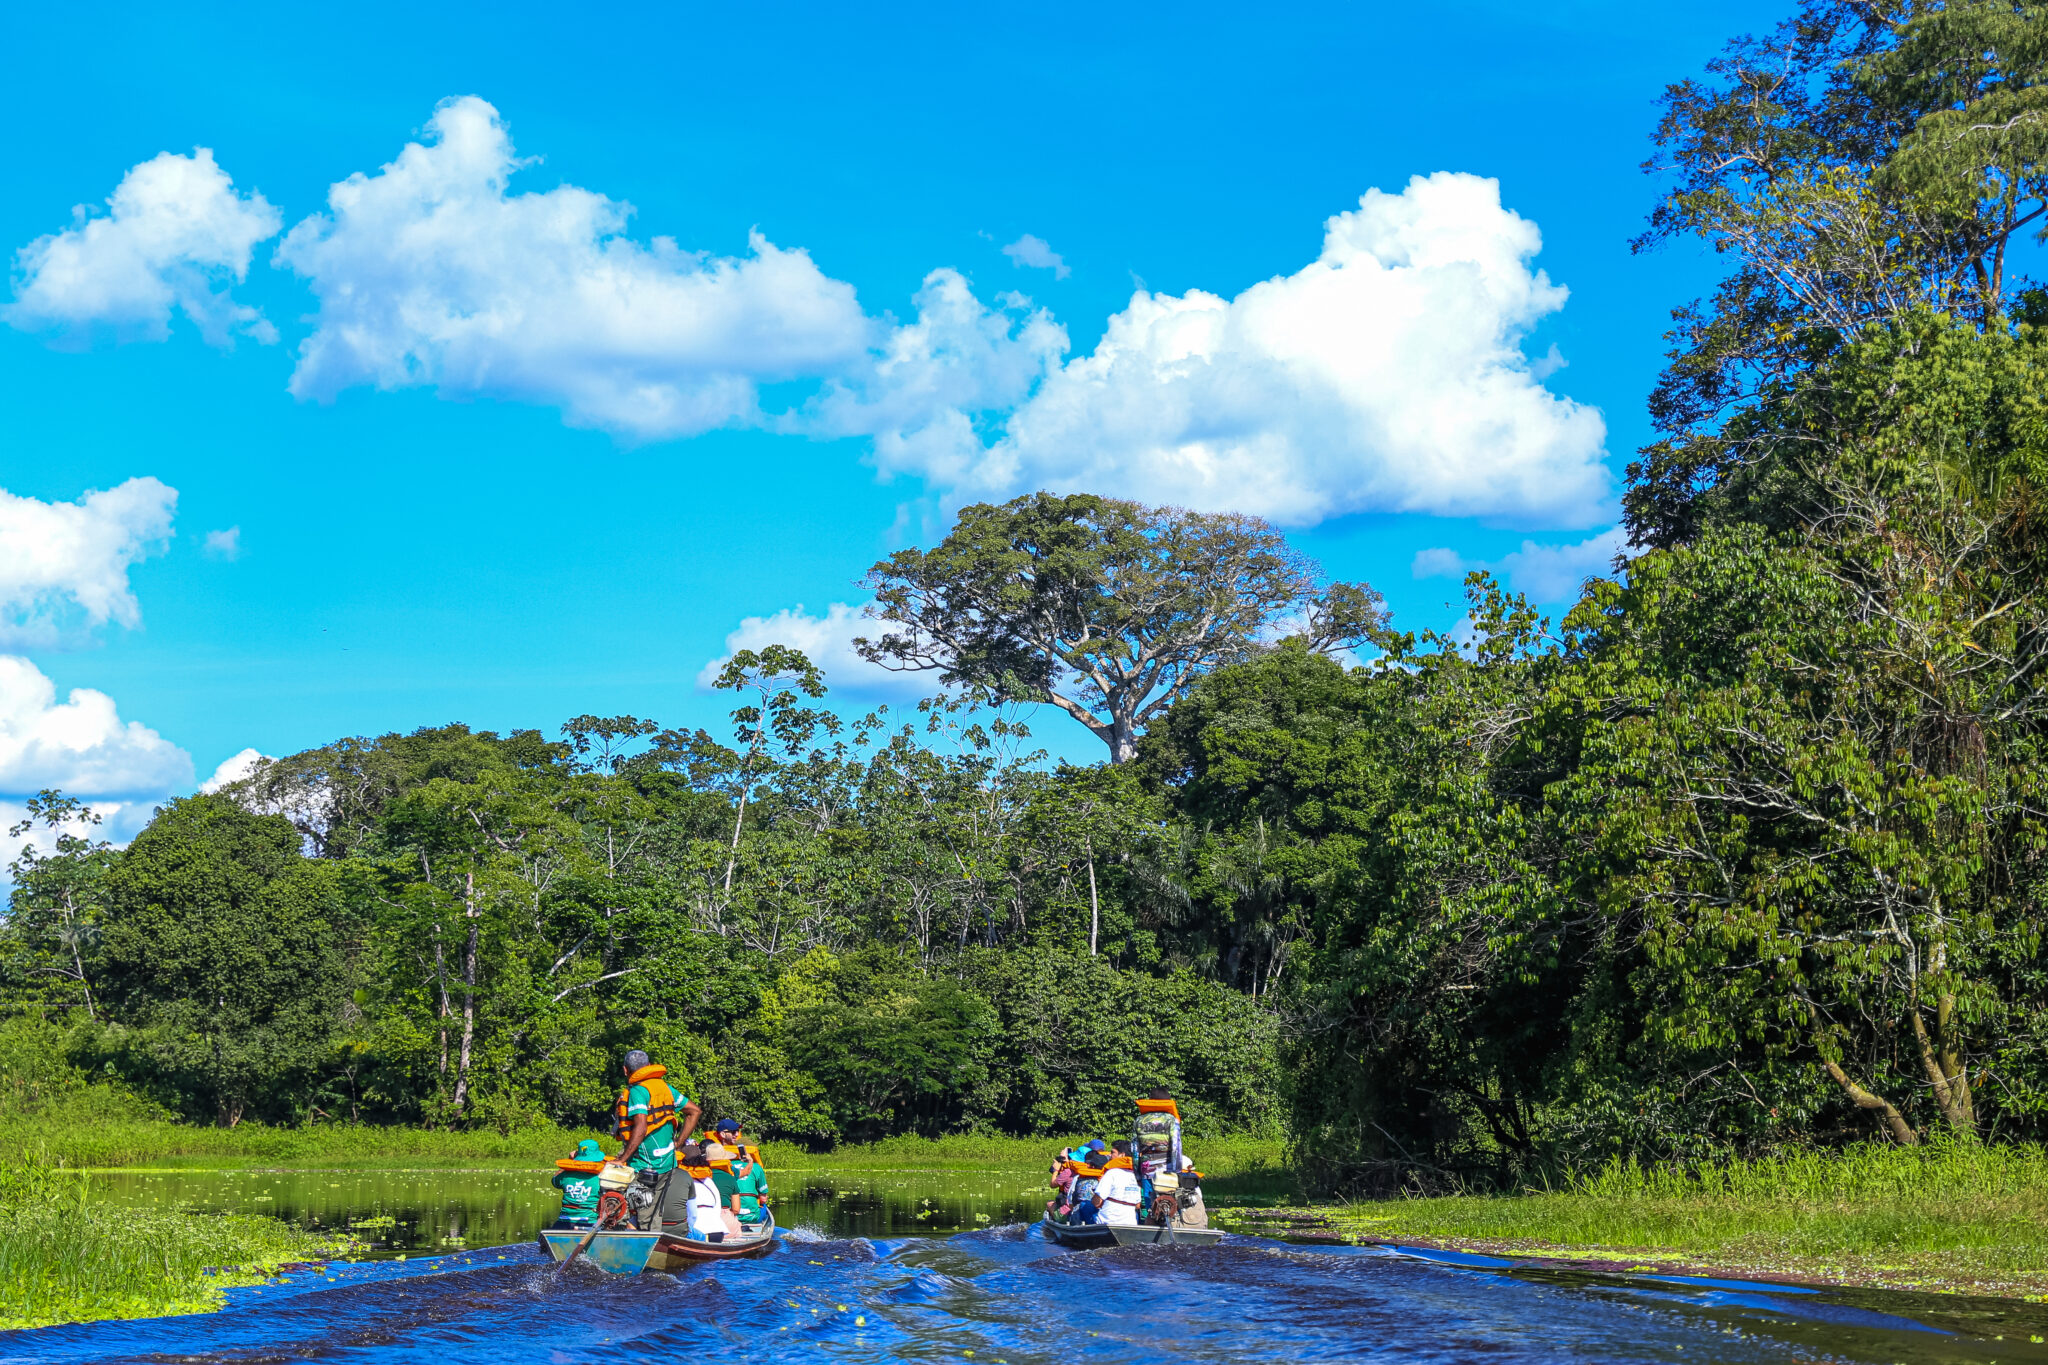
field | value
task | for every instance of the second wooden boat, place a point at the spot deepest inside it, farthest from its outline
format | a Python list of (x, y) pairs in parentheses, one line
[(1089, 1236)]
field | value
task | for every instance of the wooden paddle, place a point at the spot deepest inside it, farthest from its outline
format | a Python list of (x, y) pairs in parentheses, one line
[(603, 1222)]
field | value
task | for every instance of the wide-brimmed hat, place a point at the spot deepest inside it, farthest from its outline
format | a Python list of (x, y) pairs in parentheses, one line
[(717, 1151), (588, 1150)]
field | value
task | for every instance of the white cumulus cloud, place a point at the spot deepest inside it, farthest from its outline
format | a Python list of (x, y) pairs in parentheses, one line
[(431, 272), (1545, 573), (1037, 253), (224, 544), (233, 769), (925, 392), (176, 235), (1387, 375), (79, 745), (827, 640), (62, 561)]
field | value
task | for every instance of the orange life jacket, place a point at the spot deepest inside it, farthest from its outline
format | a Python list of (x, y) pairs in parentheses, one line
[(570, 1163), (1082, 1172), (661, 1101), (1159, 1107), (1117, 1163)]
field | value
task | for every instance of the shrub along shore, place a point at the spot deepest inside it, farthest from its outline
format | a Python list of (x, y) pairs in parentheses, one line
[(1947, 1217)]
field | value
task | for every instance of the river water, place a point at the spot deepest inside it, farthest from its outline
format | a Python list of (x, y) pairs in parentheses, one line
[(972, 1282)]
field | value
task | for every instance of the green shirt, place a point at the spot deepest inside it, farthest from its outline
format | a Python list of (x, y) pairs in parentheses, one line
[(579, 1194), (657, 1151), (749, 1187)]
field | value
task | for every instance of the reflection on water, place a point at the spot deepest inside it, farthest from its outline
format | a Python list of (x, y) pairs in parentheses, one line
[(991, 1294)]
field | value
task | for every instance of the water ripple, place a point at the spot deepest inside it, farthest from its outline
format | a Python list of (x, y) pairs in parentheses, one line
[(1004, 1296)]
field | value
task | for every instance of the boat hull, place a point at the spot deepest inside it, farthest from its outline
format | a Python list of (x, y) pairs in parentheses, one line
[(614, 1251), (1089, 1236), (676, 1251)]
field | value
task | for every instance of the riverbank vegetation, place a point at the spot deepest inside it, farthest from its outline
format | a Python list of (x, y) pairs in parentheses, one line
[(1950, 1216), (1743, 858), (65, 1257)]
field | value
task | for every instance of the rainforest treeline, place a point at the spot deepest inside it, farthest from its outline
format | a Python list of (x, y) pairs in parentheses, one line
[(1744, 853)]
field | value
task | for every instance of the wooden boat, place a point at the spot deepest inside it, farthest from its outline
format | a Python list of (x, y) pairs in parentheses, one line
[(675, 1251), (1089, 1236), (628, 1251)]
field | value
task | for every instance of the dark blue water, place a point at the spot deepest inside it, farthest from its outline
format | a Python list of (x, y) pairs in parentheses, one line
[(1005, 1296)]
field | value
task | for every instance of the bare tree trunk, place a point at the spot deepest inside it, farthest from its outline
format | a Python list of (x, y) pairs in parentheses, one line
[(1945, 1072), (441, 983), (1094, 904), (470, 911), (1902, 1131), (78, 965), (1123, 742)]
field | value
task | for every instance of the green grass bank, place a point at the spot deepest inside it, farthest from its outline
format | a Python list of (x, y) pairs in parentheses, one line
[(1953, 1217), (65, 1258)]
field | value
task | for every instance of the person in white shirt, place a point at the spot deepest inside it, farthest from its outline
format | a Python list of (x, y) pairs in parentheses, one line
[(1118, 1194), (707, 1215)]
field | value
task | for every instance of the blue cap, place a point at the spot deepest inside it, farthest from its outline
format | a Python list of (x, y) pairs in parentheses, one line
[(727, 1126), (1098, 1145)]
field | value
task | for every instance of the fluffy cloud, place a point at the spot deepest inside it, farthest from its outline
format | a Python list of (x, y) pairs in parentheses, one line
[(63, 560), (224, 544), (81, 744), (1546, 573), (1385, 376), (922, 394), (828, 641), (430, 272), (1037, 253), (233, 769), (176, 235)]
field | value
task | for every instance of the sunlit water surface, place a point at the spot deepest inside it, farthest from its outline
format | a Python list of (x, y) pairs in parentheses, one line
[(929, 1267)]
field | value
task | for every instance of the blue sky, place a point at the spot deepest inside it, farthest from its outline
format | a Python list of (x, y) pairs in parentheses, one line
[(572, 508)]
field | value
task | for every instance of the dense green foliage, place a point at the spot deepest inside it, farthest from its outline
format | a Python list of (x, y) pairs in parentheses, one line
[(1742, 856), (829, 933)]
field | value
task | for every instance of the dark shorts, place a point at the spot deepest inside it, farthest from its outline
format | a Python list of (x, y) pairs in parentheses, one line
[(671, 1197)]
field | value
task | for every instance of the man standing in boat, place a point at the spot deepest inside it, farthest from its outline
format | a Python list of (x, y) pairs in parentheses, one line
[(646, 1118), (1156, 1151)]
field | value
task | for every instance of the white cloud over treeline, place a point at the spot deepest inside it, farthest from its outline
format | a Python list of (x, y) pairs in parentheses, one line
[(1387, 374), (1551, 574)]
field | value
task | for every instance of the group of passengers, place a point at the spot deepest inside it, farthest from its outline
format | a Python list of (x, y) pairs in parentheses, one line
[(724, 1190), (1122, 1183)]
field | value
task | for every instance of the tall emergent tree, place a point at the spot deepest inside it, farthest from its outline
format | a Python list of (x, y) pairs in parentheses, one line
[(1107, 609)]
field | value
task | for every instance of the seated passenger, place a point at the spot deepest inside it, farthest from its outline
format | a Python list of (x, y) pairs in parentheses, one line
[(577, 1180), (728, 1134), (1087, 1179), (750, 1187), (707, 1221), (718, 1157), (1117, 1195), (1193, 1212)]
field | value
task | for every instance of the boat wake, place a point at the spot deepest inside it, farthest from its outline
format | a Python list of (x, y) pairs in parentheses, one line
[(1006, 1295)]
